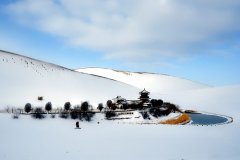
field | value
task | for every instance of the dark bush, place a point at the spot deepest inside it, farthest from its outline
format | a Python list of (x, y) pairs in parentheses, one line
[(84, 106), (145, 115), (110, 114), (67, 106), (38, 113), (48, 106), (153, 102), (171, 107), (64, 115), (87, 116), (156, 103), (159, 103), (155, 112), (28, 108), (125, 106), (74, 114), (78, 113), (100, 107), (113, 107)]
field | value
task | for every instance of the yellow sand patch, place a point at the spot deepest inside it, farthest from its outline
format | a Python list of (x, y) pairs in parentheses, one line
[(181, 119)]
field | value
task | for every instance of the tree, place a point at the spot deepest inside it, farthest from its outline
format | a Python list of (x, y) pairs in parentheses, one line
[(28, 108), (155, 112), (67, 106), (100, 107), (154, 102), (84, 106), (48, 107), (109, 103), (159, 102)]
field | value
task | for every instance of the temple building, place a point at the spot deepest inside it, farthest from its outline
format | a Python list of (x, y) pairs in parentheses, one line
[(144, 95)]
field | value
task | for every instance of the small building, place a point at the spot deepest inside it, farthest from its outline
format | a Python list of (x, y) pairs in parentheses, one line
[(119, 100)]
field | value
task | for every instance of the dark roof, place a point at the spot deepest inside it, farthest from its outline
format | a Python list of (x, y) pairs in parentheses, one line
[(144, 91)]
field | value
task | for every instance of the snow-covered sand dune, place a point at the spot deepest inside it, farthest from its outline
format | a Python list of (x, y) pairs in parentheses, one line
[(187, 94), (221, 100), (152, 82), (24, 79)]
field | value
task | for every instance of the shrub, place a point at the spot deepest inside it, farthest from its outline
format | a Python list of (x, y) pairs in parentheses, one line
[(48, 106), (155, 112), (87, 116), (156, 103), (84, 106), (159, 102), (145, 115), (110, 114), (153, 102), (64, 115), (125, 106), (171, 107), (28, 108), (38, 113), (100, 107), (74, 114), (67, 106), (113, 107)]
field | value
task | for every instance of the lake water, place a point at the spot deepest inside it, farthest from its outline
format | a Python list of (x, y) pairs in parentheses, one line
[(206, 119)]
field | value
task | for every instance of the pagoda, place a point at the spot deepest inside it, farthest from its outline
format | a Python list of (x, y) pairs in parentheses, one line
[(144, 95)]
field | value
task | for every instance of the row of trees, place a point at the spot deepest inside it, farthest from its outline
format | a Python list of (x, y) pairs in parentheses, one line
[(28, 108), (85, 106), (84, 111)]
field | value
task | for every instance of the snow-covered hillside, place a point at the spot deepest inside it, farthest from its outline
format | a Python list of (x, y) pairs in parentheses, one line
[(221, 100), (24, 79), (152, 82)]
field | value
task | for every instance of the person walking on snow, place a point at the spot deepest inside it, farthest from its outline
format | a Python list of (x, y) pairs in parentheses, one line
[(77, 125)]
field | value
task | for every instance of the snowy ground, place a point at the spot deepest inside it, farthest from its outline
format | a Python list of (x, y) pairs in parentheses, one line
[(27, 139)]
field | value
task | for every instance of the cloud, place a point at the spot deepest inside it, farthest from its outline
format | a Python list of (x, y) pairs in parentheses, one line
[(123, 29)]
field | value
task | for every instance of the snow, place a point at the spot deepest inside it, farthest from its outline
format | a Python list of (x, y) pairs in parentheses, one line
[(24, 79), (27, 138), (152, 82), (220, 100)]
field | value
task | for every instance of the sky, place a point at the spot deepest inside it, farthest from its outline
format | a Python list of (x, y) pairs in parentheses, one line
[(197, 40)]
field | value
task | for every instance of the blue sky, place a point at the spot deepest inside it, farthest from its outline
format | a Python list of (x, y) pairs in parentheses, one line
[(197, 40)]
